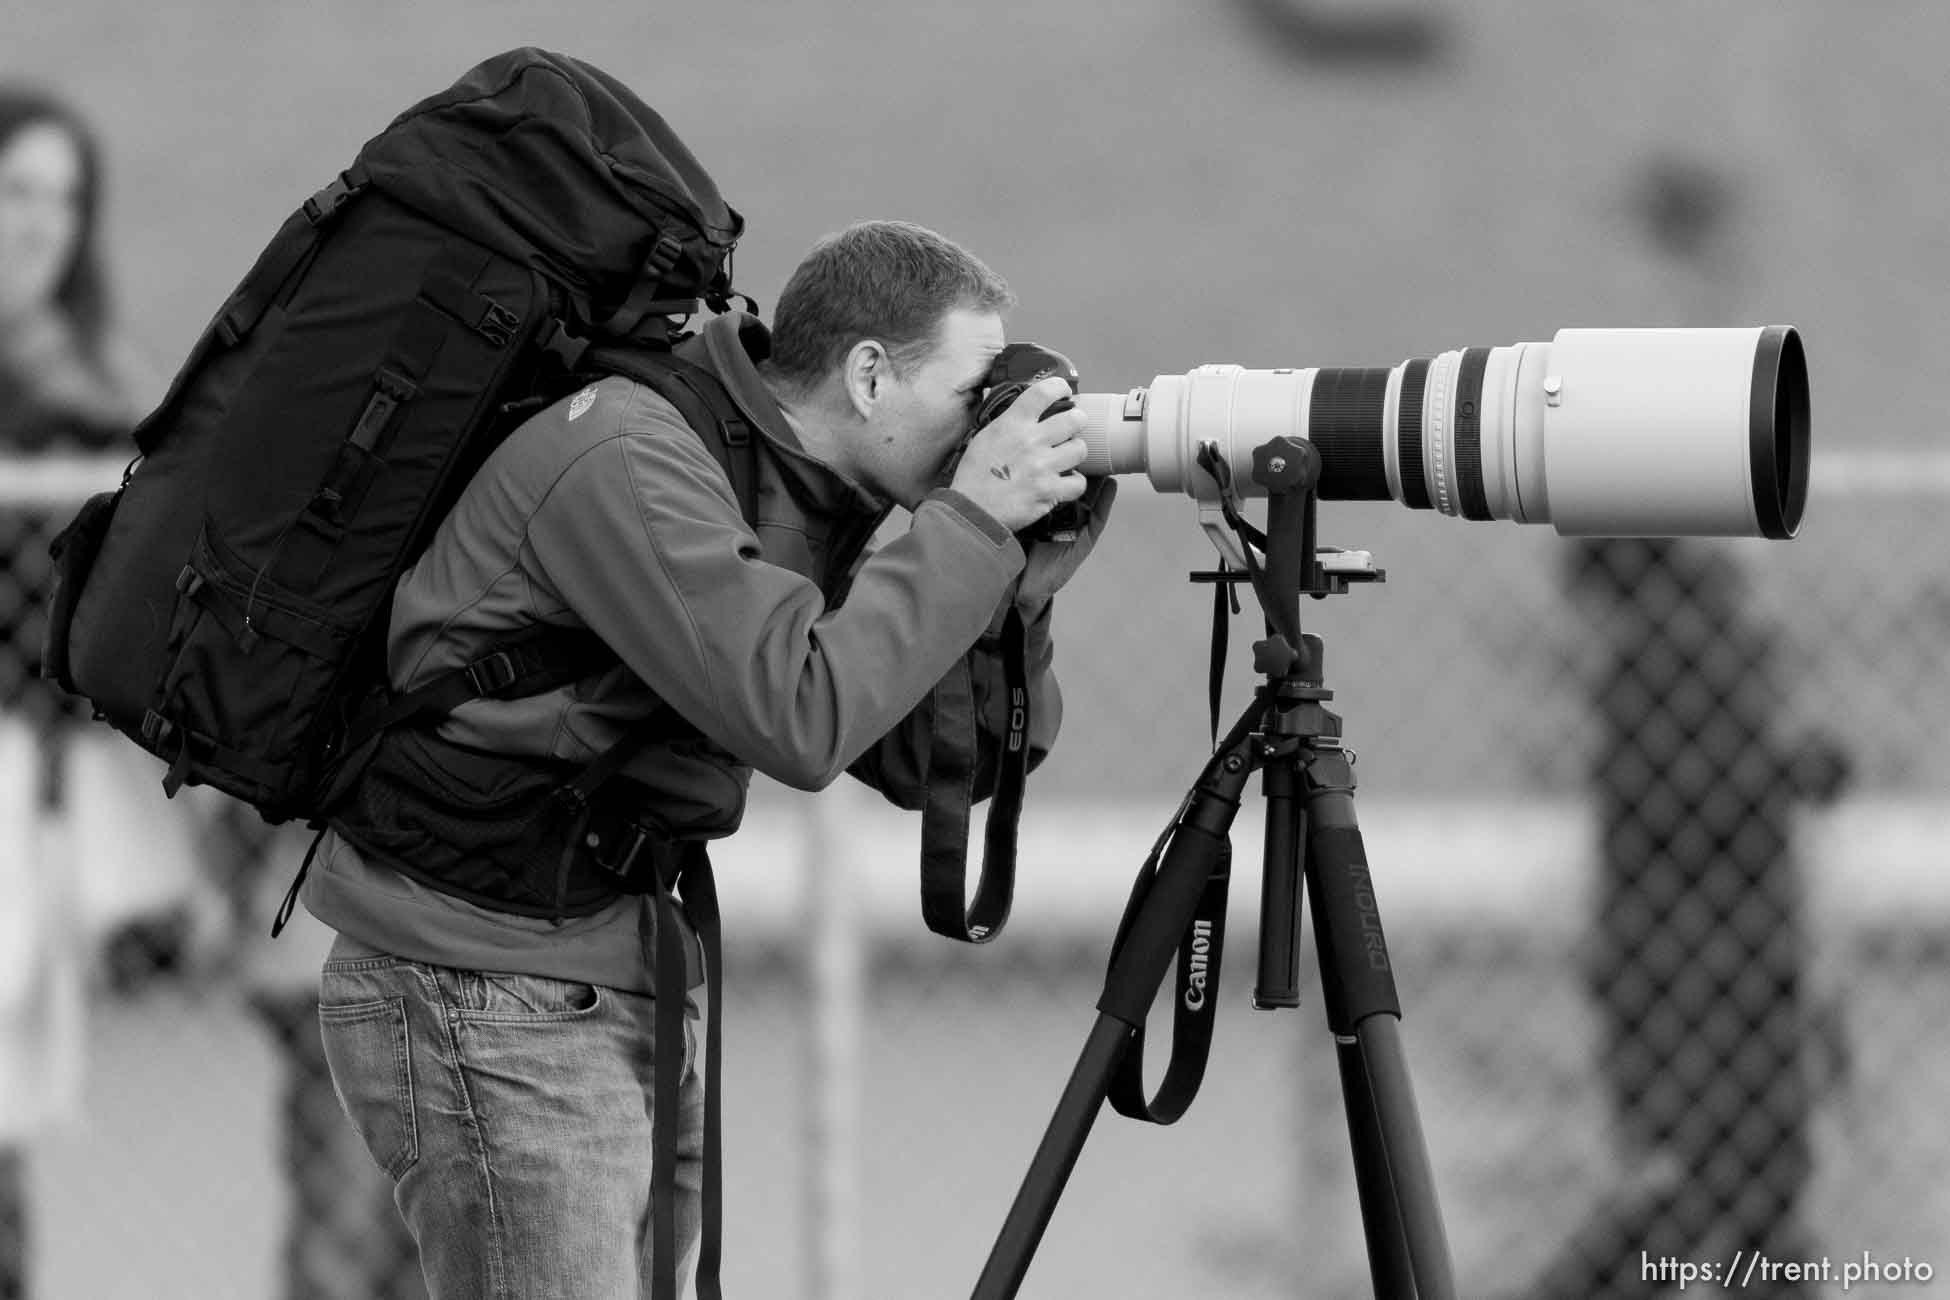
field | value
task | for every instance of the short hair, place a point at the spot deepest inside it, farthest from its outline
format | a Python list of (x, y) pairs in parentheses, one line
[(80, 294), (888, 280)]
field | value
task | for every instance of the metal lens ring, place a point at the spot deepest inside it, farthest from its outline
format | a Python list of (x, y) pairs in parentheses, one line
[(1435, 428)]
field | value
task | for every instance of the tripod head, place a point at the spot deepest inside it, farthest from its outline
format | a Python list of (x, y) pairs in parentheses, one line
[(1285, 561)]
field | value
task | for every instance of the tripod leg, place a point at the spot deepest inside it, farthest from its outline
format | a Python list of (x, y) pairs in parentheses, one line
[(1408, 1249), (1197, 849), (1056, 1156)]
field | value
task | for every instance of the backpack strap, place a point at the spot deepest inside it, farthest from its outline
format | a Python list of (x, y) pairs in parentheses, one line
[(535, 660), (700, 904), (701, 398)]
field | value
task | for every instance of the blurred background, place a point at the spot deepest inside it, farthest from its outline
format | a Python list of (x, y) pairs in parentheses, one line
[(1656, 829)]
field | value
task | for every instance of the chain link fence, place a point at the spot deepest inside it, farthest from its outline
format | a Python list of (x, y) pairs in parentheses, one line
[(1653, 824), (1660, 828), (1658, 833)]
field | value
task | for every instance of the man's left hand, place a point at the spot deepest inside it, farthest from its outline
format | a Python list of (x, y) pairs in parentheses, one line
[(1051, 564)]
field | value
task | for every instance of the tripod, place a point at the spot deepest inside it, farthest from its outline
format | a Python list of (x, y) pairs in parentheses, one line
[(1311, 834)]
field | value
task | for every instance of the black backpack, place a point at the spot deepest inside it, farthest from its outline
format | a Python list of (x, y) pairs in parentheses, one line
[(227, 607), (489, 252)]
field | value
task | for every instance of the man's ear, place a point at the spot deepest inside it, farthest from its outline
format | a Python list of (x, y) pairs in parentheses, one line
[(865, 373)]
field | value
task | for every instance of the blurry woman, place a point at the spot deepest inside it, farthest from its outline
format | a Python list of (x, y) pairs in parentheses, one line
[(62, 383), (63, 387)]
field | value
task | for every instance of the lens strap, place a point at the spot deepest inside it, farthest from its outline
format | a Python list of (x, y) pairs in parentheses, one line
[(1224, 601), (1195, 996)]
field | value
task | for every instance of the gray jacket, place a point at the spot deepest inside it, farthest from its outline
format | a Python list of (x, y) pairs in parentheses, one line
[(791, 647)]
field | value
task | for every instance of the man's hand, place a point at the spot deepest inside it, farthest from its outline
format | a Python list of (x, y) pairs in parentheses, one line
[(1051, 564), (1017, 466)]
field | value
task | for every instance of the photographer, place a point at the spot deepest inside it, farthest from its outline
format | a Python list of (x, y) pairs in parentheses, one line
[(490, 1035)]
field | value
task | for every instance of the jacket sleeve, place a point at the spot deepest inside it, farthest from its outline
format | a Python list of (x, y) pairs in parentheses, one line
[(897, 766), (642, 539)]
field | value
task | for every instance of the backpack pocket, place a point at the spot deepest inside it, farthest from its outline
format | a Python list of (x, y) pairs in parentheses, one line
[(251, 667), (73, 552)]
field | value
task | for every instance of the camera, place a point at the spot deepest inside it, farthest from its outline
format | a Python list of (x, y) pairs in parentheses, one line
[(1599, 432), (1015, 368)]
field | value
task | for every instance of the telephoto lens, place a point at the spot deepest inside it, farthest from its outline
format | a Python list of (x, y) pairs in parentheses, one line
[(1600, 432)]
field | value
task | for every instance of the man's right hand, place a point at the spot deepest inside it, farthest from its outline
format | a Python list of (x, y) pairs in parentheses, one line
[(1019, 465)]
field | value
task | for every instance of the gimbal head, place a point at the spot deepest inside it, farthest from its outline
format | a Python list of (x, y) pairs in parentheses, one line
[(1285, 561)]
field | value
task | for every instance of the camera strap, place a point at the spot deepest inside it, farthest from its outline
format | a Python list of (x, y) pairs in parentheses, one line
[(954, 762)]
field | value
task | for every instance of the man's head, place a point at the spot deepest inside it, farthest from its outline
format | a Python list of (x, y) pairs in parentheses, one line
[(879, 346)]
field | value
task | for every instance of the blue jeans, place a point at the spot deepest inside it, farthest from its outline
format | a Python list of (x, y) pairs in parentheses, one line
[(512, 1113)]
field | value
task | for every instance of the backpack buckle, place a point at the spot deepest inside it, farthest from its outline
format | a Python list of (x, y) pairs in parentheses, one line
[(617, 863), (633, 852), (498, 325), (565, 346), (324, 205), (492, 673)]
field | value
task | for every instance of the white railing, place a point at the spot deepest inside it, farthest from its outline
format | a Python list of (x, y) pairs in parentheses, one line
[(1444, 861)]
